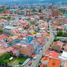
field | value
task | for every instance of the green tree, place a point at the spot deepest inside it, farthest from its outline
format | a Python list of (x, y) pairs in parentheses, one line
[(1, 31), (60, 33)]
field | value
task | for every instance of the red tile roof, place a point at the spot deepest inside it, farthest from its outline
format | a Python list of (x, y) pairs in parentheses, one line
[(42, 65), (45, 58), (3, 36), (53, 54), (59, 43), (65, 65), (24, 23), (54, 63)]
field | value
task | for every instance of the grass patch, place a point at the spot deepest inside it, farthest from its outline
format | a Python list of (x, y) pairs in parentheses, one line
[(4, 59), (17, 61)]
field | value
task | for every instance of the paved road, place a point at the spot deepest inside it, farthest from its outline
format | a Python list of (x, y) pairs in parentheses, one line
[(34, 61), (51, 38)]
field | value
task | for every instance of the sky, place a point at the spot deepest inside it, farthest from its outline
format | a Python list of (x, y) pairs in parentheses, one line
[(30, 1)]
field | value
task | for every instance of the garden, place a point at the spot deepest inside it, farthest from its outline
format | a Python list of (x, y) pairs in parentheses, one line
[(11, 60)]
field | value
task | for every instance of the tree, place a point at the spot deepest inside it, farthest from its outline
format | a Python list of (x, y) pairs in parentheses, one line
[(60, 33), (1, 31), (56, 39)]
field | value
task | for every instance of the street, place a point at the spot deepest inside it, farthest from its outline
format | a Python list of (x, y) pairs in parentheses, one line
[(35, 62)]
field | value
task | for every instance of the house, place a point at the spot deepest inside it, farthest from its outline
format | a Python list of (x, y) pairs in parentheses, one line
[(2, 23), (23, 23), (7, 12), (65, 64), (7, 29), (57, 46), (63, 55), (52, 54), (11, 38), (45, 34), (15, 31), (24, 49), (59, 43), (27, 50), (56, 12), (45, 60), (50, 61), (60, 27), (42, 65), (41, 40), (60, 23), (65, 27), (54, 63), (5, 49), (43, 25), (3, 36), (15, 52), (65, 47), (3, 43)]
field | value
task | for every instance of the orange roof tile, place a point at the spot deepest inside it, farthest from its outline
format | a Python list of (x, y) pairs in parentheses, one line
[(54, 63), (42, 65)]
